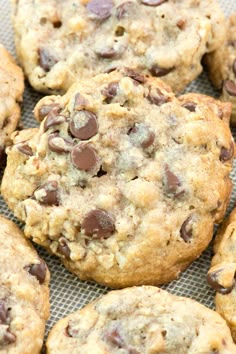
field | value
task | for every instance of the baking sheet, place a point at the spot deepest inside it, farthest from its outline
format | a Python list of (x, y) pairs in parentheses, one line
[(68, 293)]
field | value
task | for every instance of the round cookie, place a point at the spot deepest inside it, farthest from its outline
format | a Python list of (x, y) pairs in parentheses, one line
[(221, 275), (11, 91), (24, 293), (59, 41), (122, 181), (141, 320)]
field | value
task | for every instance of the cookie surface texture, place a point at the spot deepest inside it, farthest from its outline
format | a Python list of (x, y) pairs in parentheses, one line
[(73, 39), (221, 275), (24, 293), (141, 320), (11, 91), (123, 181)]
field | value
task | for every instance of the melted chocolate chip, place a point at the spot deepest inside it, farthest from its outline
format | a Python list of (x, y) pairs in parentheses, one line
[(153, 2), (53, 118), (38, 270), (98, 223), (124, 9), (156, 97), (3, 312), (234, 67), (24, 148), (84, 157), (83, 125), (47, 194), (46, 59), (63, 248), (114, 338), (142, 135), (80, 102), (186, 230), (58, 144), (212, 279), (100, 8), (158, 71), (135, 75), (227, 154), (107, 53), (172, 182), (190, 106), (230, 87), (44, 110), (111, 90)]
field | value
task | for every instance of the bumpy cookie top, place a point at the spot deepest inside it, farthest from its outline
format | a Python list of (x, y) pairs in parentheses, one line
[(11, 91), (24, 293), (59, 41), (123, 181), (141, 320)]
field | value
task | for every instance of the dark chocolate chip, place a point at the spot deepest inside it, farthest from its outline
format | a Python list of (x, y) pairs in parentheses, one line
[(24, 148), (153, 2), (98, 223), (83, 125), (38, 270), (124, 9), (44, 110), (80, 102), (53, 118), (227, 154), (63, 248), (3, 312), (8, 338), (190, 106), (107, 53), (156, 97), (230, 87), (84, 157), (46, 59), (113, 337), (100, 8), (135, 75), (58, 144), (172, 182), (186, 230), (49, 193), (212, 279), (141, 135), (158, 71), (234, 67), (110, 91)]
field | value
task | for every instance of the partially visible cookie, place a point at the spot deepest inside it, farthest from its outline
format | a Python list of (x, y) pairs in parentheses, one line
[(141, 320), (222, 66), (122, 181), (11, 91), (24, 293), (59, 41), (222, 273)]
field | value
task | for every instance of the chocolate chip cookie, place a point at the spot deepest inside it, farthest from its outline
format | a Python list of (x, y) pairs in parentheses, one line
[(222, 67), (11, 90), (123, 181), (24, 293), (222, 274), (59, 41), (141, 320)]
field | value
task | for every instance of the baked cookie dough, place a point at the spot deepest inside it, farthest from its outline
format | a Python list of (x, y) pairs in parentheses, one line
[(59, 41), (222, 67), (24, 293), (122, 181), (141, 320), (11, 91), (221, 276)]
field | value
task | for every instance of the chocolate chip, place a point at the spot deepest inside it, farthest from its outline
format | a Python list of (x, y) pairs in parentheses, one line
[(119, 31), (80, 102), (186, 230), (124, 9), (71, 331), (110, 91), (45, 109), (234, 67), (141, 135), (53, 118), (212, 279), (106, 53), (230, 87), (84, 157), (153, 2), (83, 125), (101, 172), (58, 144), (24, 148), (135, 75), (38, 270), (113, 337), (98, 223), (181, 24), (8, 337), (100, 8), (156, 97), (190, 106), (63, 248), (3, 312), (227, 154), (172, 182), (47, 194), (158, 71), (46, 59), (2, 155)]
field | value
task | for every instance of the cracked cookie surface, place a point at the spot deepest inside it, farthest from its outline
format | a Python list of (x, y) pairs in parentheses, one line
[(60, 41), (122, 181), (141, 320)]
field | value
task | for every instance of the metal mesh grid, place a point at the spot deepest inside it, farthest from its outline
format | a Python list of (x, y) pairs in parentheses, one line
[(68, 293)]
